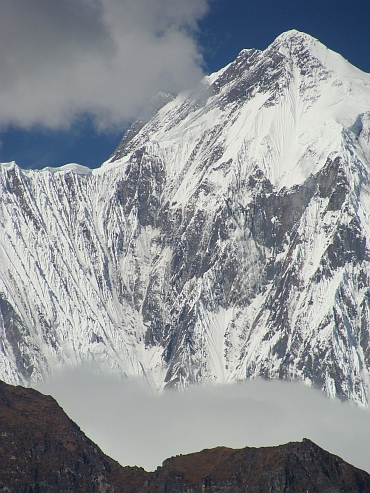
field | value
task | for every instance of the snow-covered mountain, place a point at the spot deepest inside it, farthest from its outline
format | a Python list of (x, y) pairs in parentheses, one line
[(227, 237)]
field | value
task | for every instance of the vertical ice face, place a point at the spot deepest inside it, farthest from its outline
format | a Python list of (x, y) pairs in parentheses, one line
[(226, 238)]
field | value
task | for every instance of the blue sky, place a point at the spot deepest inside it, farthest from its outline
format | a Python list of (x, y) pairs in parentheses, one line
[(75, 73)]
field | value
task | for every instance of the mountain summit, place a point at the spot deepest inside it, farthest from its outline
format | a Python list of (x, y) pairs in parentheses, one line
[(227, 237)]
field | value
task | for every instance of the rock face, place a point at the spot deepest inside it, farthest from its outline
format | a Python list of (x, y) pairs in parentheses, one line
[(43, 451), (227, 237)]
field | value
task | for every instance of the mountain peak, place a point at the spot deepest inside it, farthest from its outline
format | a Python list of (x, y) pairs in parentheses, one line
[(287, 39), (219, 223), (295, 44), (295, 36)]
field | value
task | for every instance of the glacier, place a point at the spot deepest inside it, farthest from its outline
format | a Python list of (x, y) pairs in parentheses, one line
[(226, 238)]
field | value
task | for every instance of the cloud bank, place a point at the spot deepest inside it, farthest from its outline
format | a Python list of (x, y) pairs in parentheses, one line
[(61, 58), (137, 427)]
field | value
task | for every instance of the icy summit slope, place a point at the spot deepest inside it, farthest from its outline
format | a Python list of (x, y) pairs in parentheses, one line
[(227, 237)]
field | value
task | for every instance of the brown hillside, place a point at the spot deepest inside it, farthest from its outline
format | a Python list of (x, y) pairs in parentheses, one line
[(43, 451)]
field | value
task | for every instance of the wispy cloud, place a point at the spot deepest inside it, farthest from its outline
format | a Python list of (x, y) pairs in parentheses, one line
[(59, 58), (138, 427)]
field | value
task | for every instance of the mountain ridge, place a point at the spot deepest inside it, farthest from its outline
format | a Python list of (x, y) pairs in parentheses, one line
[(226, 238), (42, 450)]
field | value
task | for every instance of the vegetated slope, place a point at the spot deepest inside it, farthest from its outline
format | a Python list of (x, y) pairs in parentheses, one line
[(226, 238), (295, 467), (43, 451)]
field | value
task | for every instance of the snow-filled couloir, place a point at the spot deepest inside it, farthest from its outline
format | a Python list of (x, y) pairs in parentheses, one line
[(227, 237)]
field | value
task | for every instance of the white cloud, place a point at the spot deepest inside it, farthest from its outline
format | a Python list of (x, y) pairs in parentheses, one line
[(135, 426), (59, 58)]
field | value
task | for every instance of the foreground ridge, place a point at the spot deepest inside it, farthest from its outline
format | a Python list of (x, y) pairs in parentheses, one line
[(42, 450), (227, 237)]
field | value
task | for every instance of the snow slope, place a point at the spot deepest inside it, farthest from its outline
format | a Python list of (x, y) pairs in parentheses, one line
[(226, 238)]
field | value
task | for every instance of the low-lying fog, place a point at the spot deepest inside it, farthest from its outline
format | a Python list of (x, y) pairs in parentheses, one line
[(135, 426)]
